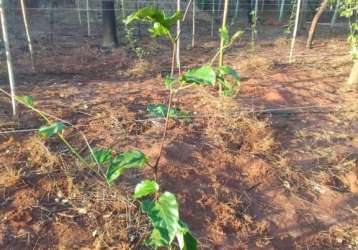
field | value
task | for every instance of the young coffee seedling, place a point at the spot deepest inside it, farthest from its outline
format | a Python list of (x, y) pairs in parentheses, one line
[(161, 207), (163, 211)]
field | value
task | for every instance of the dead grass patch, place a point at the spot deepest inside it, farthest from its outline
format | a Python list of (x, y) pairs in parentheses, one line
[(141, 68), (9, 177), (39, 155), (282, 42), (235, 131), (256, 65), (241, 133)]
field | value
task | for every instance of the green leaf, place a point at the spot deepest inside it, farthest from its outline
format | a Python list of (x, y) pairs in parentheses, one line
[(226, 70), (185, 238), (202, 75), (145, 188), (53, 129), (161, 22), (227, 86), (27, 100), (158, 238), (168, 82), (158, 30), (123, 162), (224, 34), (102, 156), (157, 110), (236, 35), (161, 110), (164, 215)]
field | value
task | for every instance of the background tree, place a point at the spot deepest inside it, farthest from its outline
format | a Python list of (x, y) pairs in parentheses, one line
[(314, 24), (109, 24)]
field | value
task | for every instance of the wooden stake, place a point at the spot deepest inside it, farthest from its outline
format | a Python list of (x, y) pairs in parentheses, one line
[(212, 17), (178, 41), (282, 8), (254, 26), (193, 31), (236, 14), (88, 18), (78, 3), (8, 56), (52, 19), (222, 41), (28, 34), (295, 31), (334, 17), (123, 10), (353, 78)]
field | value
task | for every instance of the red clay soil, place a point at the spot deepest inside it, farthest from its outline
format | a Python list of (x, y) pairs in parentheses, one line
[(298, 193)]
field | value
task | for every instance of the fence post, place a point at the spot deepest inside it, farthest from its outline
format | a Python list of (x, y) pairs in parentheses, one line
[(8, 56)]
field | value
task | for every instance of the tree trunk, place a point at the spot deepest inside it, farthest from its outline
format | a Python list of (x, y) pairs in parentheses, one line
[(109, 25), (353, 78), (315, 20)]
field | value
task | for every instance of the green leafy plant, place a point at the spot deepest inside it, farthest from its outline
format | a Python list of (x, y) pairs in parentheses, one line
[(349, 9), (161, 110), (133, 43), (291, 22), (160, 206), (163, 210)]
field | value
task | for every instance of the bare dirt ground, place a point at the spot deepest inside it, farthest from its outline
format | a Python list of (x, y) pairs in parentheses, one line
[(275, 167)]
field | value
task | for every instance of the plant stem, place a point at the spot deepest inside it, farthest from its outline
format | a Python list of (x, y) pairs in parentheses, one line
[(43, 114), (47, 119), (167, 118), (73, 150)]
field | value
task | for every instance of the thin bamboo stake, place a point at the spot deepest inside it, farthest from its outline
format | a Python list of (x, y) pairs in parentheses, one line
[(334, 17), (194, 27), (178, 41), (28, 34), (219, 7), (295, 31), (353, 78), (236, 14), (256, 8), (123, 9), (282, 8), (212, 17), (303, 15), (88, 18), (78, 3), (222, 41), (8, 56), (254, 26), (52, 19)]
